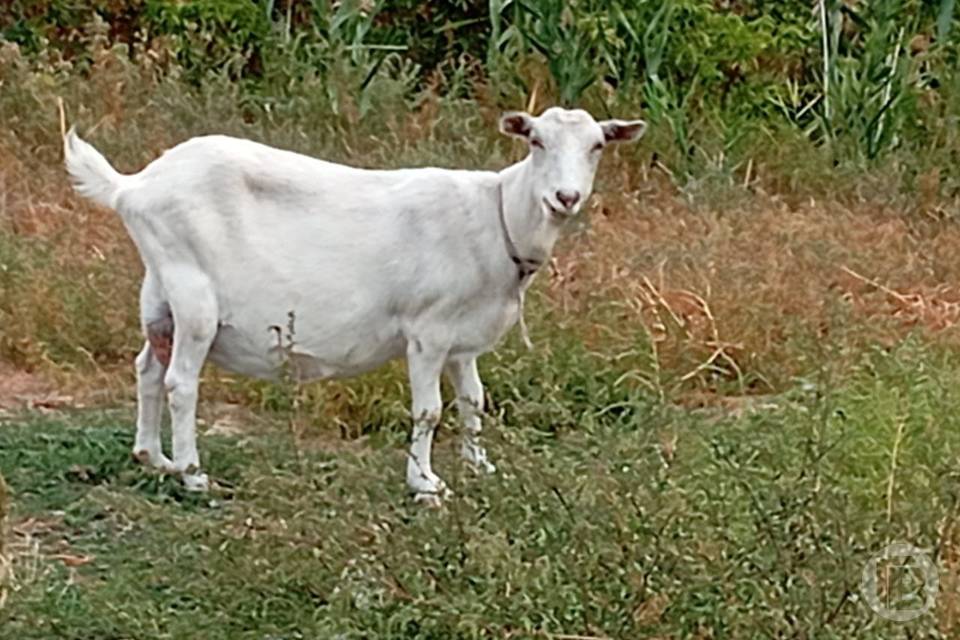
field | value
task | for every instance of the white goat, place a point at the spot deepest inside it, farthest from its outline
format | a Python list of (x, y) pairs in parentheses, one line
[(427, 264)]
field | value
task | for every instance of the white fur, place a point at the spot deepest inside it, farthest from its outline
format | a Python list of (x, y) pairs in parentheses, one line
[(374, 265)]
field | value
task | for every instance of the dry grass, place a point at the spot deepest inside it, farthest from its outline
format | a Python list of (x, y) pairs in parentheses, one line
[(728, 297), (736, 292), (735, 298)]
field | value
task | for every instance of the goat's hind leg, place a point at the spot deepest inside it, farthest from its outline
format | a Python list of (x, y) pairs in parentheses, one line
[(147, 447), (195, 316), (151, 366)]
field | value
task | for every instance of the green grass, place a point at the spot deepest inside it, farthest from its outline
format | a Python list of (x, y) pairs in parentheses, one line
[(664, 523)]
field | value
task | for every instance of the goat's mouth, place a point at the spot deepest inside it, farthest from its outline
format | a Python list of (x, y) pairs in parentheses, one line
[(561, 213)]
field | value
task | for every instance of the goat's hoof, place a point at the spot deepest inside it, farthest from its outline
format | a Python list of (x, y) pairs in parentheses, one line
[(484, 467), (197, 482), (476, 457), (156, 461), (431, 500), (429, 489), (477, 460)]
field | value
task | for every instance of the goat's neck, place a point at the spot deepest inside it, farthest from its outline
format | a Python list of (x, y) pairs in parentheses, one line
[(531, 231)]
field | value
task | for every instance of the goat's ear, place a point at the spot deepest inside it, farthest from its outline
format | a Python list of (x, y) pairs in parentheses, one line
[(623, 130), (516, 123)]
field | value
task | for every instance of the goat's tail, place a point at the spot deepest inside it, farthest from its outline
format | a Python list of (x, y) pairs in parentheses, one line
[(92, 175)]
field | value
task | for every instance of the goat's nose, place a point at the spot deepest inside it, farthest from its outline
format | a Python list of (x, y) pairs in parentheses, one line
[(568, 198)]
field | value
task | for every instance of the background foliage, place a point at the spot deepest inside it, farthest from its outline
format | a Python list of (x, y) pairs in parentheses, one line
[(847, 74)]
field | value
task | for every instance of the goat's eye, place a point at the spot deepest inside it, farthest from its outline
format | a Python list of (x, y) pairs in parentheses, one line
[(597, 147), (536, 143)]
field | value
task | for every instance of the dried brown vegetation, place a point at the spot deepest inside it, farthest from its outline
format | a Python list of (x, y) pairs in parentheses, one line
[(746, 291), (735, 295), (735, 286)]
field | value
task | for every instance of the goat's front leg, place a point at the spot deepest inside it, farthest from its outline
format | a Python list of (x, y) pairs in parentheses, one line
[(465, 379), (425, 366)]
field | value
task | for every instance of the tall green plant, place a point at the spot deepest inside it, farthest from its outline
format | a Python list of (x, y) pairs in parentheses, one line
[(550, 27), (872, 80), (857, 77), (351, 60)]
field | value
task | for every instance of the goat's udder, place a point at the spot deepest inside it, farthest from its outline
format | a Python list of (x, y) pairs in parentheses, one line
[(160, 337)]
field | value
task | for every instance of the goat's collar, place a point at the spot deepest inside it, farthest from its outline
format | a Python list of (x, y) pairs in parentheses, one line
[(526, 267)]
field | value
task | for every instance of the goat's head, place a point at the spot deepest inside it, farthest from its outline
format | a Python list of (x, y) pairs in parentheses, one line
[(565, 147)]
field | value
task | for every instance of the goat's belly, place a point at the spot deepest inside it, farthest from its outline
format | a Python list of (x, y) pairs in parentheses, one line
[(339, 357)]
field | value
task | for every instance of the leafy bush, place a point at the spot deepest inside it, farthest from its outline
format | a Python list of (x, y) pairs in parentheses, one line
[(855, 76)]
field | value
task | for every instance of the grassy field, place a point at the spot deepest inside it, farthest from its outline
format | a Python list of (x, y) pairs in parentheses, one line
[(745, 386), (645, 521)]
